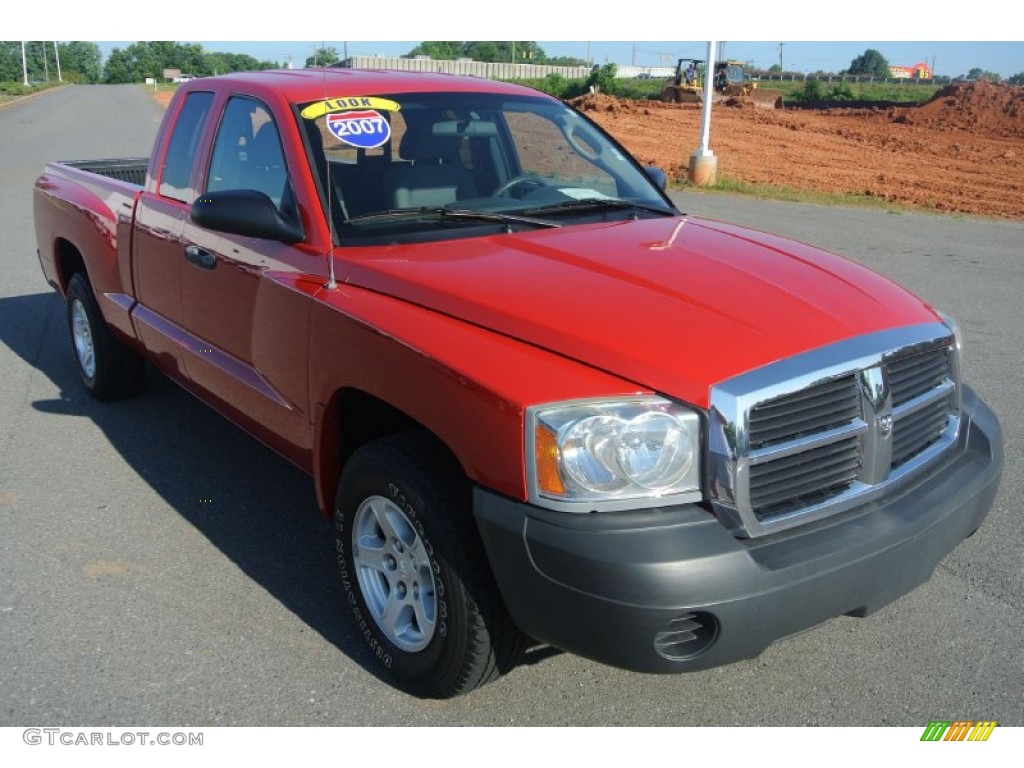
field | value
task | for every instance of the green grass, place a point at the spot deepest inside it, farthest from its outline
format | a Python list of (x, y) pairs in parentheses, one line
[(909, 94), (15, 90), (784, 193), (631, 88), (623, 88)]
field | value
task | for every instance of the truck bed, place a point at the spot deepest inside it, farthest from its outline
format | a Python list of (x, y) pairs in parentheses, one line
[(128, 169)]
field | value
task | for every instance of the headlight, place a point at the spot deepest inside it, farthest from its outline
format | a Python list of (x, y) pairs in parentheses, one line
[(608, 454)]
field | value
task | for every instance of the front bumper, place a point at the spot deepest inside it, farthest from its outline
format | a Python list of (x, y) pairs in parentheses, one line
[(670, 590)]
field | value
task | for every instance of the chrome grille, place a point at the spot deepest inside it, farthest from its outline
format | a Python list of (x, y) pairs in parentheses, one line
[(811, 436), (805, 478), (919, 429), (811, 410), (910, 376)]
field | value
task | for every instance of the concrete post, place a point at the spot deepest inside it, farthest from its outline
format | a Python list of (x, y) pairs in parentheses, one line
[(703, 169)]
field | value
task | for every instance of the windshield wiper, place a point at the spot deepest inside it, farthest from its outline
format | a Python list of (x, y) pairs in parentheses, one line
[(597, 203), (450, 213)]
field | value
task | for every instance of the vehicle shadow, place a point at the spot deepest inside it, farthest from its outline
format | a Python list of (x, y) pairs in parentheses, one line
[(263, 516)]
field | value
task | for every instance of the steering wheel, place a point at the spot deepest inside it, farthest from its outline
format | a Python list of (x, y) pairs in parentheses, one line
[(530, 182), (580, 141)]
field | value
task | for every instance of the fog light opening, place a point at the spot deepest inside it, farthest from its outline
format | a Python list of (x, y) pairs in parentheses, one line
[(686, 636)]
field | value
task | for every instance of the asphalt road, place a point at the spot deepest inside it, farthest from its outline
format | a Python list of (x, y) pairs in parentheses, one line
[(159, 566)]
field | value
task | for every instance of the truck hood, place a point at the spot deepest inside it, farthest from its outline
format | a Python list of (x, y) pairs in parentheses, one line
[(673, 305)]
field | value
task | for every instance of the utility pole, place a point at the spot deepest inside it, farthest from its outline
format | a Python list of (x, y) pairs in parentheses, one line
[(24, 65), (781, 46), (56, 55), (703, 169)]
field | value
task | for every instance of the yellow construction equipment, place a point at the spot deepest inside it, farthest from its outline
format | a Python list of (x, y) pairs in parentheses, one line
[(731, 82)]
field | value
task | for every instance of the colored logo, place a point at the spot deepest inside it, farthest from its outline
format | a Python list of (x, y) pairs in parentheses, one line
[(365, 129), (316, 109), (958, 730)]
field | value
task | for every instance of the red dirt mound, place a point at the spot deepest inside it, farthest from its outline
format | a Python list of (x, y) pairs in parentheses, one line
[(981, 107), (961, 152), (599, 102)]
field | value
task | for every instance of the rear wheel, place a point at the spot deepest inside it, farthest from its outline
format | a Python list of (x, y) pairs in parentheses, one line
[(415, 577), (108, 369)]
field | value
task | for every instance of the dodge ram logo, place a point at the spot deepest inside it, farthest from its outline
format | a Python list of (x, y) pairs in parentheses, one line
[(885, 424)]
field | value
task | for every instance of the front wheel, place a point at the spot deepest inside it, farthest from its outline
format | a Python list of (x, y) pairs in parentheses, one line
[(413, 570)]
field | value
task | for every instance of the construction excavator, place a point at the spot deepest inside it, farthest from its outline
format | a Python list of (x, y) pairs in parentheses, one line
[(730, 82)]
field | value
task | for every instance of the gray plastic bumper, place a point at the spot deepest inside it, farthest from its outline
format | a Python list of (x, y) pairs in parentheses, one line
[(612, 586)]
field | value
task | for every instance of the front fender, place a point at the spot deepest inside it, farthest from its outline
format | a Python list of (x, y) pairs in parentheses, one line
[(467, 385)]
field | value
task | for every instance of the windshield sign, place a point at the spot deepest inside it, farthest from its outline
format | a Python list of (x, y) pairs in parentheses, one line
[(433, 165)]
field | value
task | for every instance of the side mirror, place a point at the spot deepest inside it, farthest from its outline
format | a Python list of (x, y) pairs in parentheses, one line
[(247, 212), (656, 175)]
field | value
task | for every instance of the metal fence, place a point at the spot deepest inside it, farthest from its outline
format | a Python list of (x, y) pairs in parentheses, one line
[(506, 71), (827, 77), (491, 70)]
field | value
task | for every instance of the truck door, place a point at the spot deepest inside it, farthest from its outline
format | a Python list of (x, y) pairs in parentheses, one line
[(247, 299), (157, 243)]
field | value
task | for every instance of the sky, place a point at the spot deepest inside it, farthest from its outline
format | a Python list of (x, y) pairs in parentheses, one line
[(950, 58), (826, 37)]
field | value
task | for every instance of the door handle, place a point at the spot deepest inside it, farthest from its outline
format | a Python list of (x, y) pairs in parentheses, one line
[(201, 257)]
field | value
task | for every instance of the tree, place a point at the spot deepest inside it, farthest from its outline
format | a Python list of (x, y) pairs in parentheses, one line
[(10, 61), (149, 59), (82, 59), (322, 57), (813, 92), (141, 60), (566, 61), (437, 49), (872, 63), (519, 52), (977, 73), (1017, 79), (219, 63), (602, 79), (39, 59), (485, 51)]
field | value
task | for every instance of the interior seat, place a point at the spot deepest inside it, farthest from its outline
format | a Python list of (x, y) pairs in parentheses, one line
[(434, 174)]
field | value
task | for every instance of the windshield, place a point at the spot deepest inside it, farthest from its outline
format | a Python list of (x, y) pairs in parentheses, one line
[(734, 74), (397, 166)]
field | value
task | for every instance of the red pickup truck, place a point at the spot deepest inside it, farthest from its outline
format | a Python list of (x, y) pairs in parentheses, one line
[(539, 403)]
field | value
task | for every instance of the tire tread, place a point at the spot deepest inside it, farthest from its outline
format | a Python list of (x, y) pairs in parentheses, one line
[(493, 644)]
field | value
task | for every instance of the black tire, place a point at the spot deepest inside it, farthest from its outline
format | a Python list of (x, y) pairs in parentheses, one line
[(426, 499), (108, 369)]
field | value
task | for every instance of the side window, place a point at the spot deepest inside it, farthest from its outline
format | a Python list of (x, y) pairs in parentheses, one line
[(247, 153), (177, 170)]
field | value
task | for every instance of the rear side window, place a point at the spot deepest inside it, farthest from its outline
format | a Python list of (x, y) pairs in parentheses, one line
[(177, 170)]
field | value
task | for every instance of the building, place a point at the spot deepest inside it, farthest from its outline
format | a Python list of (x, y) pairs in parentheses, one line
[(920, 71)]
